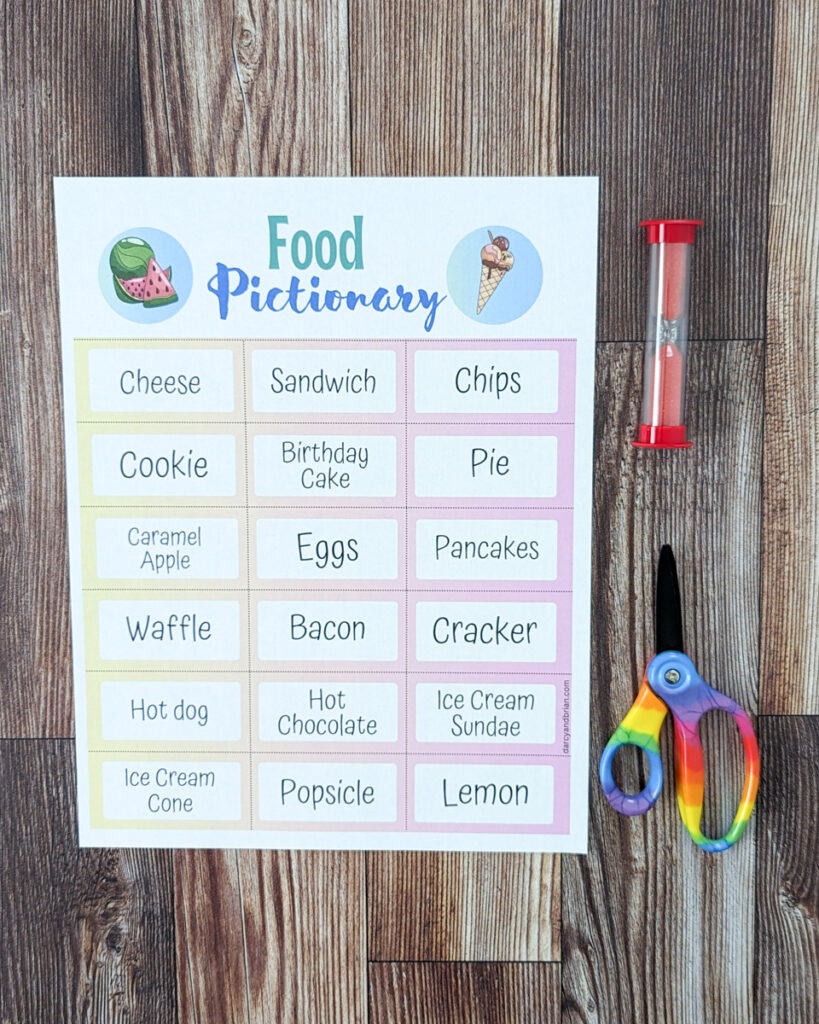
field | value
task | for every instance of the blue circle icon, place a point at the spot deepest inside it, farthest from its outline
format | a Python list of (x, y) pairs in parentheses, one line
[(494, 274), (145, 275)]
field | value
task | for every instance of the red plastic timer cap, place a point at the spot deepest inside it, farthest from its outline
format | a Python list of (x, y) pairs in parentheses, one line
[(671, 231), (674, 265)]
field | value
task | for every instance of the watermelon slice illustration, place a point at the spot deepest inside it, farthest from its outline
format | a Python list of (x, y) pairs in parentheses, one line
[(158, 288), (133, 288), (137, 275)]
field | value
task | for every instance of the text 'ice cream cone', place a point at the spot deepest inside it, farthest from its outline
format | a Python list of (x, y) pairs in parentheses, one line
[(496, 262)]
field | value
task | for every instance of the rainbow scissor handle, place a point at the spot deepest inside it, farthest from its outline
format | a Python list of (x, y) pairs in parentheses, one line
[(671, 683)]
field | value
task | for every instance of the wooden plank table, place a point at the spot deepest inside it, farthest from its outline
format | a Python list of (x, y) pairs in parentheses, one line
[(704, 110)]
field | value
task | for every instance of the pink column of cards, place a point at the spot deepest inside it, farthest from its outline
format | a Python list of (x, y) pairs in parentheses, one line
[(410, 566)]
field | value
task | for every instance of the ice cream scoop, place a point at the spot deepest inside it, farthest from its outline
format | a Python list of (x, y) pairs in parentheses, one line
[(491, 255)]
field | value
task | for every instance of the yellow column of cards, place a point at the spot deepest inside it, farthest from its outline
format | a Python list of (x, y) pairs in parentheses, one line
[(163, 495)]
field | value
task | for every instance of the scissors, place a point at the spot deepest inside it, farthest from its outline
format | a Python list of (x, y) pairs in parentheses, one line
[(671, 683)]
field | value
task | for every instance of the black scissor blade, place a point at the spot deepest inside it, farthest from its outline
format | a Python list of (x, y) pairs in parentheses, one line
[(668, 606)]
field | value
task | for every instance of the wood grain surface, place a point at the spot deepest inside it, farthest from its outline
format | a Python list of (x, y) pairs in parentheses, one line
[(464, 993), (245, 88), (68, 78), (668, 102), (648, 919), (270, 936), (682, 109), (86, 935), (454, 88), (790, 595), (787, 887), (457, 906)]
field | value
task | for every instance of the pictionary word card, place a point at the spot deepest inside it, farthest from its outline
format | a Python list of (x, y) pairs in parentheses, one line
[(328, 458)]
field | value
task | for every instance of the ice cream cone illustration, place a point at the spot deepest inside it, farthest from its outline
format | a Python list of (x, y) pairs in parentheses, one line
[(496, 262)]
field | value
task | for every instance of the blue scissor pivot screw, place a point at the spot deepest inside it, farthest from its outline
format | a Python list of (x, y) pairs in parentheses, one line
[(672, 676)]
